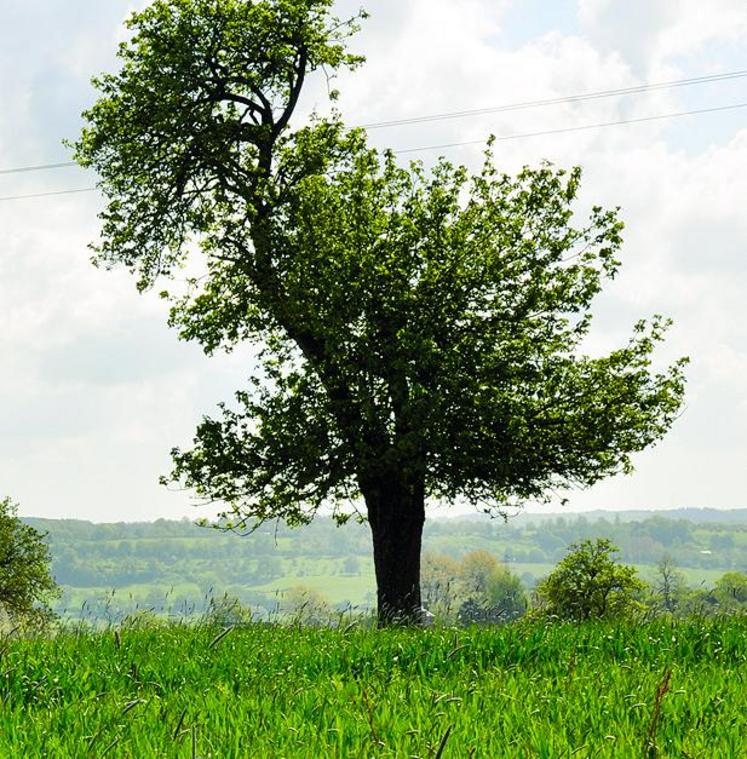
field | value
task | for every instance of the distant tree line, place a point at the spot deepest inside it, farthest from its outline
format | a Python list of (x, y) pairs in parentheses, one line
[(174, 565), (588, 583)]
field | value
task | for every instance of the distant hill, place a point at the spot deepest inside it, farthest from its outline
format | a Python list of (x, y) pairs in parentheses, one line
[(697, 515), (184, 526)]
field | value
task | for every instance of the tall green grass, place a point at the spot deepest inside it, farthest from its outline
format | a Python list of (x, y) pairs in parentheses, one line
[(525, 690)]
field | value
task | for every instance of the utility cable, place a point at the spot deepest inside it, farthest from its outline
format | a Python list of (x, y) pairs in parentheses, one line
[(579, 128), (48, 194), (642, 88), (41, 167), (504, 138)]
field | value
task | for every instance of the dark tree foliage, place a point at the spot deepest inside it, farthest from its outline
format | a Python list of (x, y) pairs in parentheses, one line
[(26, 585), (419, 330)]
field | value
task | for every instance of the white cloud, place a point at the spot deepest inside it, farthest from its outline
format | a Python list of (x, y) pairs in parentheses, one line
[(650, 33)]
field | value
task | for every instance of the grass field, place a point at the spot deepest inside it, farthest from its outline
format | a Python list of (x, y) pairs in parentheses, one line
[(526, 690)]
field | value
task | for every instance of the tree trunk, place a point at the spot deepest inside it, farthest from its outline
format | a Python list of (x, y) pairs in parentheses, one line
[(396, 514)]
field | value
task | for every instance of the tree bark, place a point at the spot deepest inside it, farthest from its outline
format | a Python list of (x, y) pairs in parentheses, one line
[(396, 514)]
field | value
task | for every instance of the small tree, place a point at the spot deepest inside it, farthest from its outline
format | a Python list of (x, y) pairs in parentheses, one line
[(26, 584), (590, 584), (351, 565), (492, 593), (305, 605), (731, 590), (227, 611), (505, 593), (440, 584), (420, 330), (475, 572), (671, 587)]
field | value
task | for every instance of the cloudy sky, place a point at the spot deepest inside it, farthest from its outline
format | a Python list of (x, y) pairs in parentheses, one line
[(95, 390)]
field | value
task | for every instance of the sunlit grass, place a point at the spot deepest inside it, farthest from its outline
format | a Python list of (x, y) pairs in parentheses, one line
[(526, 690)]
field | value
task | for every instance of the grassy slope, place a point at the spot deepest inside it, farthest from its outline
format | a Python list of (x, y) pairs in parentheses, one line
[(520, 691)]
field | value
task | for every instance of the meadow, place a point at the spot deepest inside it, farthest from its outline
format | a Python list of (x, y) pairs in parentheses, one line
[(529, 689)]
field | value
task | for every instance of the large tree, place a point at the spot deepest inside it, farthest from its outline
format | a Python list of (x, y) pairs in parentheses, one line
[(419, 330)]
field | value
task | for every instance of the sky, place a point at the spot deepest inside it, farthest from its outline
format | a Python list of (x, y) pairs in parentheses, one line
[(95, 390)]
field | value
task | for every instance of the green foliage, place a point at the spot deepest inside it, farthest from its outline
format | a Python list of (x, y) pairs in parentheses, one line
[(522, 690), (418, 327), (489, 591), (475, 571), (227, 611), (670, 590), (178, 133), (351, 566), (440, 584), (476, 589), (731, 590), (506, 594), (589, 584), (26, 585)]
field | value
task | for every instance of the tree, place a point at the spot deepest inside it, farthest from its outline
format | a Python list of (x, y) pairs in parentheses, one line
[(589, 584), (505, 593), (476, 570), (26, 584), (308, 606), (227, 611), (493, 593), (351, 565), (731, 590), (671, 587), (419, 331), (439, 581)]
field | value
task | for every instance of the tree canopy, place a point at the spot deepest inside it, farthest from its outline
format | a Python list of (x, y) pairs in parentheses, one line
[(589, 583), (420, 330), (26, 584)]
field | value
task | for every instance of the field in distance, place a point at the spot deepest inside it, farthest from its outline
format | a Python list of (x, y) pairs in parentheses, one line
[(175, 566)]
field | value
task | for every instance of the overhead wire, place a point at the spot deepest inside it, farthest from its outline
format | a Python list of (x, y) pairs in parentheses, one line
[(40, 167), (725, 76), (579, 128), (637, 89), (581, 97), (48, 194)]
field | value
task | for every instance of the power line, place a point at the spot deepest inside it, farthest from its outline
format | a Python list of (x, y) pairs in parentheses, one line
[(41, 167), (642, 88), (579, 128), (523, 135), (48, 194)]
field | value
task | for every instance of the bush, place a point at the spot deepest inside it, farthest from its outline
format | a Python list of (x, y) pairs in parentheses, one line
[(731, 590), (497, 595)]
